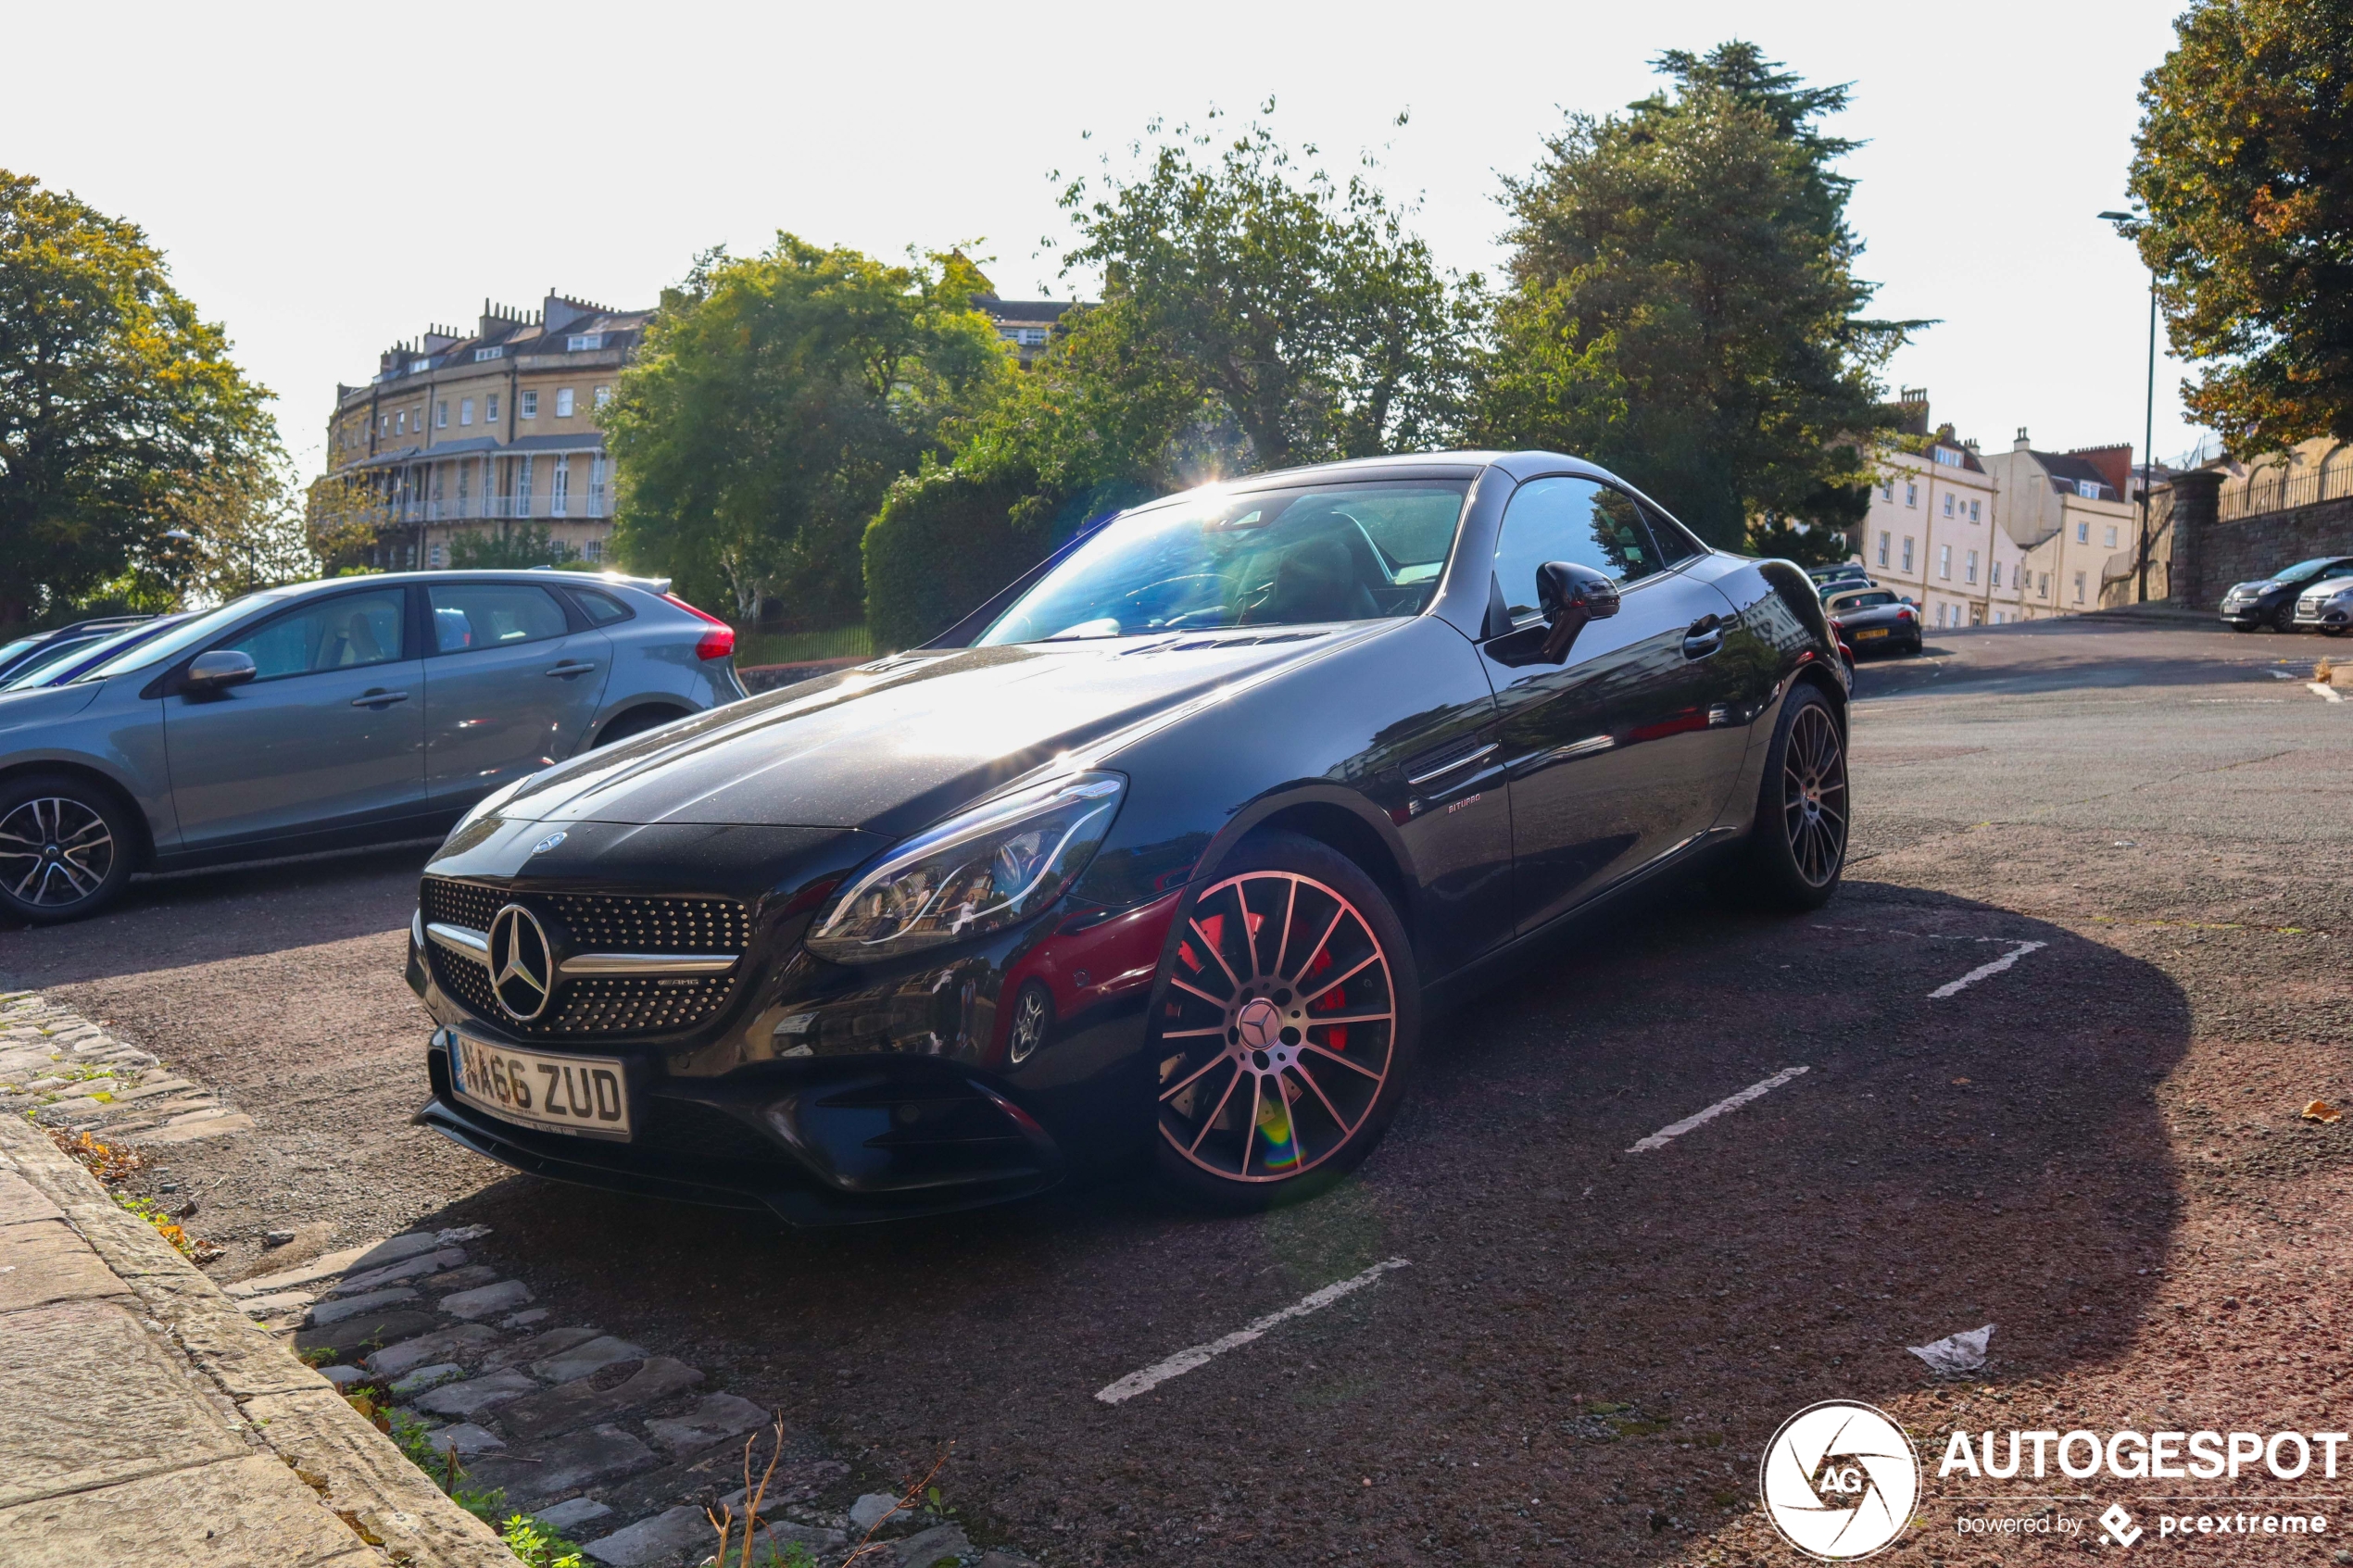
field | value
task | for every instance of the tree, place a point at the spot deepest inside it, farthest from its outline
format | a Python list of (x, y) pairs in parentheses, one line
[(121, 416), (525, 544), (2244, 162), (775, 399), (1302, 310), (1684, 308)]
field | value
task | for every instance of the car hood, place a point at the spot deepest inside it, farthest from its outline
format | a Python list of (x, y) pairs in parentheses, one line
[(35, 707), (2330, 588), (893, 744)]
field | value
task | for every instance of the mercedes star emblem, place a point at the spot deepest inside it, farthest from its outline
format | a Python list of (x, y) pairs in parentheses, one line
[(522, 971)]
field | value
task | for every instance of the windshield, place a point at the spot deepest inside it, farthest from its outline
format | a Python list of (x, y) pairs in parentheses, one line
[(181, 638), (50, 665), (1867, 601), (12, 649), (2307, 568), (1269, 557)]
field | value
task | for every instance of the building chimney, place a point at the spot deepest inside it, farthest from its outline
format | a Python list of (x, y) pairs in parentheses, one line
[(2020, 445)]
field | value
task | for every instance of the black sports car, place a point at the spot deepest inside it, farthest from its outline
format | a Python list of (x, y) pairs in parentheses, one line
[(1166, 848), (1875, 621)]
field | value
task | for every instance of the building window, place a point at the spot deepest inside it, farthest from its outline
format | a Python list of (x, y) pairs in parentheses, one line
[(560, 488), (2079, 587), (1882, 547), (400, 423), (1948, 457), (2089, 488), (529, 407), (2109, 536), (596, 485), (1972, 512), (1944, 561), (1887, 490), (2044, 590), (604, 396), (563, 403), (441, 416), (490, 409), (433, 558), (1972, 567), (2083, 533), (465, 410), (1908, 552), (489, 483), (580, 342), (465, 475), (594, 550), (1948, 503), (522, 486), (1995, 575), (481, 353), (1911, 495)]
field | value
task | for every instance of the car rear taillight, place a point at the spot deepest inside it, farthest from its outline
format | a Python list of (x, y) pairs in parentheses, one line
[(1904, 614), (717, 643)]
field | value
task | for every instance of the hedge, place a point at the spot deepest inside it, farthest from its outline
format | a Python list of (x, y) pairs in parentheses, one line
[(942, 543)]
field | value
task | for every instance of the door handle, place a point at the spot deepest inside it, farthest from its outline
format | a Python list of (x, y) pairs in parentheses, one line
[(570, 668), (378, 697), (1707, 634)]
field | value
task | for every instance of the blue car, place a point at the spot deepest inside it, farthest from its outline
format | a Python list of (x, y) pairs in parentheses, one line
[(332, 715)]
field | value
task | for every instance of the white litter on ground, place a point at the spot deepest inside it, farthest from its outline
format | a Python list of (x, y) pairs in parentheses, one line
[(1183, 1361), (1730, 1102), (2319, 690), (1955, 1353)]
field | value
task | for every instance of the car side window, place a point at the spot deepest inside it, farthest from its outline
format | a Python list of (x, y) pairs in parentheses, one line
[(602, 610), (1675, 542), (1571, 519), (468, 617), (344, 632)]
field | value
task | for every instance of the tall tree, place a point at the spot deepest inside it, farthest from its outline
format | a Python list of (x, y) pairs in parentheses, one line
[(1301, 308), (774, 401), (1684, 307), (121, 416), (2245, 164)]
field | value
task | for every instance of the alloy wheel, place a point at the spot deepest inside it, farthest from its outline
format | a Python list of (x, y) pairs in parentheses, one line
[(1278, 1028), (53, 852), (1814, 796)]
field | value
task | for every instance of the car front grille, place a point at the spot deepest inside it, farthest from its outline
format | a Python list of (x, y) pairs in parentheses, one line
[(596, 1005)]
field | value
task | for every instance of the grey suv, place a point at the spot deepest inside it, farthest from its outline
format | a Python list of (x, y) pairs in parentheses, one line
[(333, 714)]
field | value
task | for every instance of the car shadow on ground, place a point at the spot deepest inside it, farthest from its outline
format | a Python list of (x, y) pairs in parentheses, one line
[(1588, 1346), (232, 913)]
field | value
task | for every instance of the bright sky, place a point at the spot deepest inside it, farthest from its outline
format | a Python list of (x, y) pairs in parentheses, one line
[(327, 180)]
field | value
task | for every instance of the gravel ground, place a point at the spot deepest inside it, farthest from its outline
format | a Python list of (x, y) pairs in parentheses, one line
[(2097, 1149)]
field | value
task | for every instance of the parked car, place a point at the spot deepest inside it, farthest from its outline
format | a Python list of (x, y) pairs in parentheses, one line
[(2272, 601), (1876, 621), (1162, 853), (56, 666), (2327, 607), (351, 711), (1829, 577), (16, 655)]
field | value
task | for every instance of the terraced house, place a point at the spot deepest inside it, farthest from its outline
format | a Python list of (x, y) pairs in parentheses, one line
[(458, 433)]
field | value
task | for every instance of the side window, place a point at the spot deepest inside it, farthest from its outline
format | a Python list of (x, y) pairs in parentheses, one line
[(468, 616), (602, 610), (1571, 519), (343, 633)]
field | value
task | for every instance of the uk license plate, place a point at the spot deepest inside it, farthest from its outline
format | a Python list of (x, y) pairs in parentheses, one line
[(563, 1094), (1874, 631)]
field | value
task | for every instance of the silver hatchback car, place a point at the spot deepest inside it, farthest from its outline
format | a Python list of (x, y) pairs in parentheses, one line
[(330, 715)]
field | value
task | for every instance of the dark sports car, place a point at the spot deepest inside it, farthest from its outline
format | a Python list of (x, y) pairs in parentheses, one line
[(1163, 851), (1875, 621)]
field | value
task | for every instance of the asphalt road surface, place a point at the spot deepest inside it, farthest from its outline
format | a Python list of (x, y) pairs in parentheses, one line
[(2095, 1145)]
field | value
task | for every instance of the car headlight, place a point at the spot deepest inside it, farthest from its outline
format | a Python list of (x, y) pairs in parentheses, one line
[(988, 867), (492, 801)]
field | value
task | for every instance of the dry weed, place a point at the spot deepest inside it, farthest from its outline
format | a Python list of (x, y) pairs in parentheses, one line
[(723, 1519)]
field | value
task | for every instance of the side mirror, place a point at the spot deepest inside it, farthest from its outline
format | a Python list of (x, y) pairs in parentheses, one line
[(217, 672), (1570, 596)]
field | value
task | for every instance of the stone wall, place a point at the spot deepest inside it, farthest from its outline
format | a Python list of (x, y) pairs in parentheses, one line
[(2209, 555)]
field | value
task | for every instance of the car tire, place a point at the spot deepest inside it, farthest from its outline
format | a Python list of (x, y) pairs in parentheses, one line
[(1795, 856), (66, 848), (2240, 625), (637, 721), (1235, 1009), (2284, 618)]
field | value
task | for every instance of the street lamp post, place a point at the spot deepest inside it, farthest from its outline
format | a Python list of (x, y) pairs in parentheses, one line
[(2148, 428)]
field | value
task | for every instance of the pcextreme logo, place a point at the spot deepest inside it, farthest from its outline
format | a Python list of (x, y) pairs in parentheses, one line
[(1839, 1480)]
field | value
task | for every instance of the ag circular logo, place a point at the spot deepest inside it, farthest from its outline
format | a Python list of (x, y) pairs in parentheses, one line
[(1839, 1480)]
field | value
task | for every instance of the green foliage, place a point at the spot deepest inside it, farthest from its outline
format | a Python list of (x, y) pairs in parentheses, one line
[(943, 543), (775, 400), (523, 545), (536, 1545), (2244, 162), (1684, 309), (121, 415), (1247, 289)]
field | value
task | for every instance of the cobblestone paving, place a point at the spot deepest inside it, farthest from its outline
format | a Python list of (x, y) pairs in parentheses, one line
[(73, 1076)]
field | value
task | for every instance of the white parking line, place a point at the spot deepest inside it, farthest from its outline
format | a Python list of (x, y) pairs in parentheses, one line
[(1983, 970), (1183, 1361), (1733, 1102)]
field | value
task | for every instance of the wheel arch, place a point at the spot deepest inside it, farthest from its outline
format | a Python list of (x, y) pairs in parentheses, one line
[(1343, 823), (106, 783), (669, 708)]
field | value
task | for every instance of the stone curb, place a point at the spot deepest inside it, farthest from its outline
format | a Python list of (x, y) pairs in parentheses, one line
[(289, 1409)]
